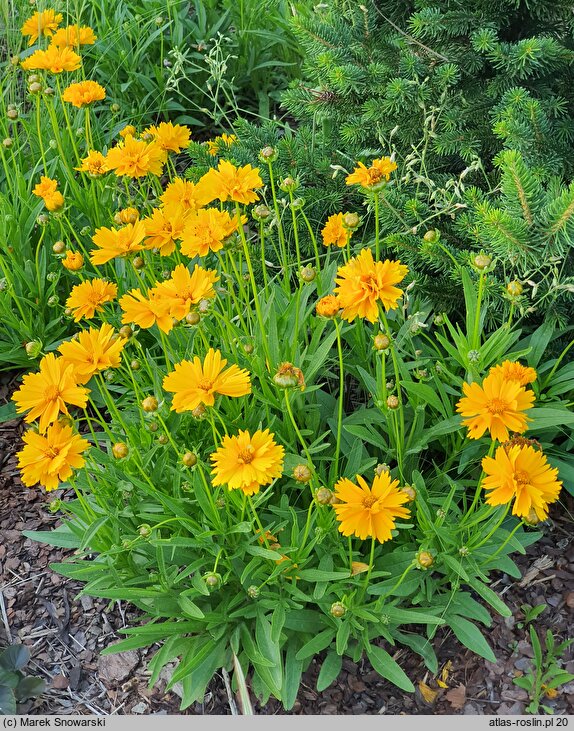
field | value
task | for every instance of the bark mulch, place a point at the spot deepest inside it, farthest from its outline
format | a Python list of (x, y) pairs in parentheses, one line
[(65, 634)]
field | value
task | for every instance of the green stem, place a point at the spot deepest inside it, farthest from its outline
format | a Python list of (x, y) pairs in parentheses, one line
[(341, 398), (377, 242), (368, 576), (476, 331), (280, 232)]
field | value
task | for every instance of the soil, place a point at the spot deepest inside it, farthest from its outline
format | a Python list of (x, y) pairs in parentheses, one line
[(65, 634)]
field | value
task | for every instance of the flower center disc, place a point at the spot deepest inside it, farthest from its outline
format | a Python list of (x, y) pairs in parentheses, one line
[(369, 501), (205, 384), (246, 455), (52, 393), (523, 478), (497, 406)]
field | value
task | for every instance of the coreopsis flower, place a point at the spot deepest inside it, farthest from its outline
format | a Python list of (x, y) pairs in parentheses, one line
[(90, 297), (73, 261), (328, 306), (245, 462), (43, 23), (73, 36), (289, 376), (93, 351), (84, 93), (379, 172), (94, 164), (170, 137), (221, 142), (127, 215), (136, 158), (113, 242), (195, 383), (44, 395), (522, 474), (365, 511), (206, 230), (53, 59), (183, 193), (335, 232), (146, 311), (496, 406), (164, 227), (229, 183), (184, 289), (50, 458), (129, 129), (515, 371), (47, 189), (362, 283)]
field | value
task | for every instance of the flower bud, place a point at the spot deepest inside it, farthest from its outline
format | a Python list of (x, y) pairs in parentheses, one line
[(48, 91), (380, 468), (54, 505), (393, 402), (252, 592), (248, 348), (14, 60), (338, 610), (288, 184), (80, 132), (324, 496), (159, 21), (424, 560), (59, 247), (33, 348), (203, 305), (410, 492), (463, 551), (473, 356), (212, 580), (381, 342), (125, 332), (144, 530), (52, 276), (193, 318), (42, 219), (189, 459), (531, 519), (351, 221), (268, 154), (7, 142), (109, 375), (301, 473), (163, 439), (481, 261), (328, 306), (439, 319), (289, 376), (12, 114), (33, 78), (514, 288), (138, 262), (114, 108), (120, 450), (35, 87), (53, 301), (200, 412), (153, 426), (73, 261), (261, 213), (307, 274), (135, 365), (432, 236), (149, 404)]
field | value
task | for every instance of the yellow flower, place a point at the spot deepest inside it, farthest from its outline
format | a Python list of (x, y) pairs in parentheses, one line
[(51, 458), (113, 242), (164, 227), (73, 261), (93, 351), (146, 312), (94, 164), (170, 137), (206, 230), (47, 189), (369, 512), (497, 405), (247, 462), (73, 36), (46, 393), (84, 93), (328, 306), (182, 289), (129, 129), (127, 215), (183, 193), (522, 474), (194, 383), (335, 232), (136, 158), (228, 183), (43, 23), (363, 282), (89, 297), (224, 141), (379, 171), (53, 59), (515, 371)]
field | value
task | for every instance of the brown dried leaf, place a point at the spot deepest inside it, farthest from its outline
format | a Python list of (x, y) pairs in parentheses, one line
[(457, 697)]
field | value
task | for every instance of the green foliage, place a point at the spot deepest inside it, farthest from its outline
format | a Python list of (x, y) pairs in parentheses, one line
[(15, 685)]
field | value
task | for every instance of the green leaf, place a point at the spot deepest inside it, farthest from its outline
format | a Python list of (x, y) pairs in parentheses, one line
[(330, 670), (264, 553), (388, 668), (342, 638), (317, 575), (316, 644), (189, 608), (291, 677), (470, 636), (14, 657), (489, 596), (546, 417), (8, 412), (62, 537), (7, 701), (272, 674)]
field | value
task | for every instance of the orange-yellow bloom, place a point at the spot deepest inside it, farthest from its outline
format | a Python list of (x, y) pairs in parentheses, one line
[(223, 142), (47, 189), (73, 36), (379, 171), (515, 371), (228, 183), (362, 283), (247, 462), (113, 242), (195, 383), (129, 129), (184, 289), (127, 215), (206, 230), (521, 473), (170, 137), (53, 59), (73, 261), (335, 232), (89, 297), (84, 93), (146, 311), (497, 406), (164, 227), (43, 23), (183, 193), (136, 158), (328, 306), (51, 458), (94, 164), (370, 512), (46, 393), (92, 351)]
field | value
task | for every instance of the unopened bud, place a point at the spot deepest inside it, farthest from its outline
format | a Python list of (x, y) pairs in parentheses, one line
[(120, 450), (199, 412), (531, 519), (7, 142), (114, 108), (135, 365), (33, 348), (212, 580), (308, 274), (393, 402), (189, 459), (35, 87), (380, 468), (424, 559), (514, 288), (351, 220), (338, 610), (138, 262), (289, 376), (163, 439), (482, 261), (381, 342), (432, 236), (193, 318), (248, 348), (125, 332), (324, 496), (12, 114), (261, 213), (59, 247), (144, 530), (268, 154), (149, 404), (410, 492), (252, 592), (301, 473)]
